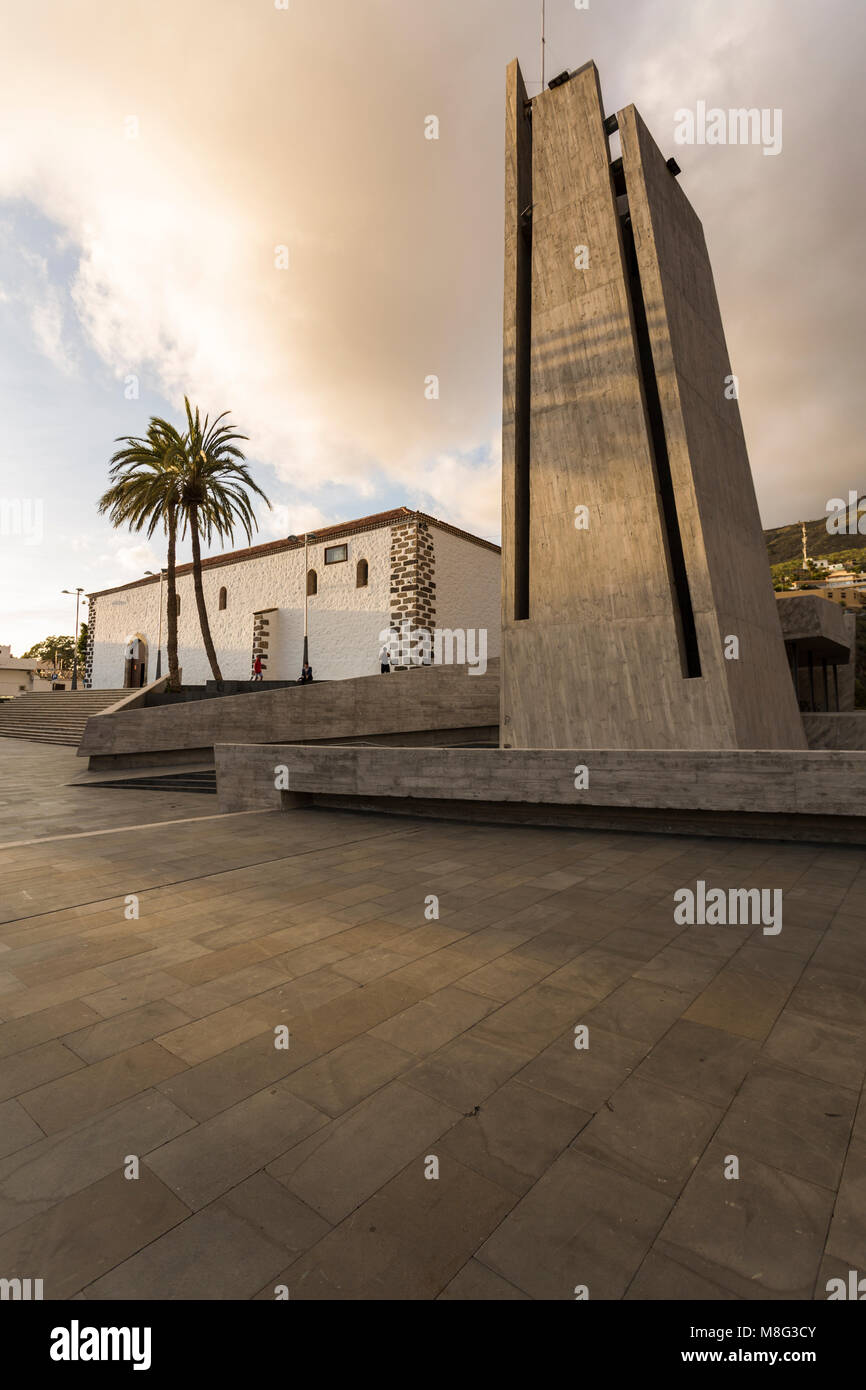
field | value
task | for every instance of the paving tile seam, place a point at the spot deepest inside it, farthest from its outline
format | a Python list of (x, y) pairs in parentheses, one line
[(821, 1246), (132, 1254), (125, 829), (409, 1165), (838, 1191), (668, 1256), (195, 878)]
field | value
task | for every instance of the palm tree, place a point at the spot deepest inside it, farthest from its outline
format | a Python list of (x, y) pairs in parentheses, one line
[(145, 493), (214, 499)]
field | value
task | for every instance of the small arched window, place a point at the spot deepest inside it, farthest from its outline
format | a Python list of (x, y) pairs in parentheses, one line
[(312, 582), (223, 599), (362, 575)]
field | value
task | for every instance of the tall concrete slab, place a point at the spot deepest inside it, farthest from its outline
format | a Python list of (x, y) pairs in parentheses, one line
[(723, 542), (632, 546)]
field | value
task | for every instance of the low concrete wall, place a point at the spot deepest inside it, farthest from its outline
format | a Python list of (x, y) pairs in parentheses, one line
[(775, 794), (444, 698), (136, 699), (845, 730)]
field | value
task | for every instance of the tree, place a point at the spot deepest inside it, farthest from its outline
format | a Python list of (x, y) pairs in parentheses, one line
[(57, 650), (214, 499), (146, 493)]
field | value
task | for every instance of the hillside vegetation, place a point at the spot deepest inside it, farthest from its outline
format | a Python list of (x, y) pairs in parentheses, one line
[(786, 542)]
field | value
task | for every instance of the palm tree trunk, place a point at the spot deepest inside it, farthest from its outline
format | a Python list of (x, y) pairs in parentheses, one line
[(171, 615), (199, 596)]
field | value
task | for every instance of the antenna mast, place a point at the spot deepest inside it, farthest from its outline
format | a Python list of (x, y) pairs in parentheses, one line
[(542, 44)]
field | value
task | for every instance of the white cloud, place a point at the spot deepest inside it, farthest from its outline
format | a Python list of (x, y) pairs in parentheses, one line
[(131, 559), (293, 519), (315, 140), (46, 320)]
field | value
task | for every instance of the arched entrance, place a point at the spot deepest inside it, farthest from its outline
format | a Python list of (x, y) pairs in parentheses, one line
[(135, 662)]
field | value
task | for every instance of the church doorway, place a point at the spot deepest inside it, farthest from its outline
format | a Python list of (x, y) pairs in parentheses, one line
[(135, 663)]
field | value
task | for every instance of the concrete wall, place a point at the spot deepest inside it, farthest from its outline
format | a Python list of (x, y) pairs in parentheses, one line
[(794, 794), (843, 730), (725, 552), (599, 661), (445, 698), (816, 624)]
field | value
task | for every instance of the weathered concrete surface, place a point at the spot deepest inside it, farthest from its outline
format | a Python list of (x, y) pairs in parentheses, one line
[(599, 661), (818, 795), (811, 618), (136, 699), (845, 730), (446, 698), (723, 543)]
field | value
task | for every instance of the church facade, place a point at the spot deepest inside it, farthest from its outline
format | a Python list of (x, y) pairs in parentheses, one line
[(400, 572)]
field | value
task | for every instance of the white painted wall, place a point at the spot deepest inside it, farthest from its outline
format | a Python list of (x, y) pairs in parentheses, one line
[(467, 587), (344, 621)]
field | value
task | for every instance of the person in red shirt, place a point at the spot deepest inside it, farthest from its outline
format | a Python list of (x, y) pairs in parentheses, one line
[(257, 669)]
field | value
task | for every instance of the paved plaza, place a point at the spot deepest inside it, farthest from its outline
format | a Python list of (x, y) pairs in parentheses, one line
[(151, 951)]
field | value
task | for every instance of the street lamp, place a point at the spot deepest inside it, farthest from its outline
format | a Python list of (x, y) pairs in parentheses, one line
[(162, 575), (77, 592), (308, 536)]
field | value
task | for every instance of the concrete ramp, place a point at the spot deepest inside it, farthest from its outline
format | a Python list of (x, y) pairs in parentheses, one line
[(427, 704)]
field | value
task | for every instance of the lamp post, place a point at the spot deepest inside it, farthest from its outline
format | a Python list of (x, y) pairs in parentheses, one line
[(162, 575), (307, 538), (77, 592)]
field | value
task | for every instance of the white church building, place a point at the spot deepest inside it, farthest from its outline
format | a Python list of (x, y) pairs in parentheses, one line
[(400, 572)]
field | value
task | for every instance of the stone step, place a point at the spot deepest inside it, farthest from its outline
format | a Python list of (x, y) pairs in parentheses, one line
[(58, 716)]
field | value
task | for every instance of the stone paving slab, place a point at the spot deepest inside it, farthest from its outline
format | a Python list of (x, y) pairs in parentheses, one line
[(328, 1089)]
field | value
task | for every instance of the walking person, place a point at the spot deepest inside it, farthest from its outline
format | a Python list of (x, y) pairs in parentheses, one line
[(257, 669), (385, 661)]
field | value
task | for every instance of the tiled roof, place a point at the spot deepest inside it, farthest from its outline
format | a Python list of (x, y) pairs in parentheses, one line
[(322, 533)]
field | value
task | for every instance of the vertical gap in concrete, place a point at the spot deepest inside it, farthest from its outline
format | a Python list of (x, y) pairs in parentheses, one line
[(523, 369), (686, 630)]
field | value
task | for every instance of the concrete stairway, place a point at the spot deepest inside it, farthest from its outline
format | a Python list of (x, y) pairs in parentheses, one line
[(61, 717)]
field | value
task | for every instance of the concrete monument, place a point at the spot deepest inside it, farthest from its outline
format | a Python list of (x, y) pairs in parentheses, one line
[(638, 610)]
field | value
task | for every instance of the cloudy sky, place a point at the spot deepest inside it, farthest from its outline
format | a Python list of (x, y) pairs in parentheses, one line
[(155, 153)]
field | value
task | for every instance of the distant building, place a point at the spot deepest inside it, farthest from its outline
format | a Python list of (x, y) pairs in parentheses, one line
[(398, 570), (821, 645), (17, 675), (853, 596)]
